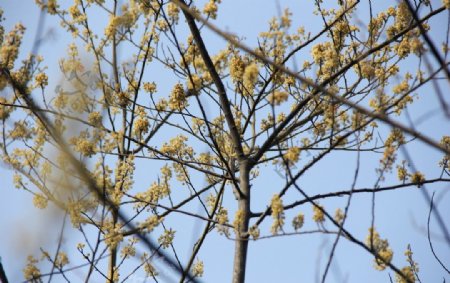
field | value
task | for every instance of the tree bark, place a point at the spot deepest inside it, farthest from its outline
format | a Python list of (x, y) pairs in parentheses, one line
[(241, 244)]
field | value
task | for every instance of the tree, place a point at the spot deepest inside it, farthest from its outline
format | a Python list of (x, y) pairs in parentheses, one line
[(125, 145)]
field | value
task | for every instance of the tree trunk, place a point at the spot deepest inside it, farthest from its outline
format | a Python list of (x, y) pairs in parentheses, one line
[(241, 245)]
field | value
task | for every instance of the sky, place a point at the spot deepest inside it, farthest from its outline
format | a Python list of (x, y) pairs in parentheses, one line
[(401, 215)]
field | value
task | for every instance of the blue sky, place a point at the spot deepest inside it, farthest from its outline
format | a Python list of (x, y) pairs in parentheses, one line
[(401, 215)]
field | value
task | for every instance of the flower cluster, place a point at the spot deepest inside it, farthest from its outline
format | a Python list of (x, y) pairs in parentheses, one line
[(150, 87), (31, 271), (141, 124), (318, 215), (276, 205), (41, 80), (177, 99), (166, 239), (292, 155), (198, 268), (113, 234), (210, 8), (278, 97), (298, 221), (418, 178), (249, 78), (380, 247)]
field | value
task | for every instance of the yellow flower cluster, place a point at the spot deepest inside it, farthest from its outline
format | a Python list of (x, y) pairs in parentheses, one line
[(210, 9), (40, 201), (365, 69), (74, 208), (277, 97), (254, 232), (126, 20), (161, 105), (177, 99), (113, 234), (155, 193), (194, 83), (124, 178), (292, 155), (395, 137), (318, 215), (237, 68), (150, 87), (222, 218), (276, 205), (173, 11), (339, 216), (445, 162), (408, 273), (418, 178), (298, 221), (77, 16), (50, 5), (177, 146), (141, 124), (21, 131), (446, 3), (129, 250), (238, 220), (61, 260), (31, 271), (95, 118), (198, 268), (380, 247), (5, 111), (166, 239), (83, 145), (9, 49), (150, 223), (41, 80), (324, 54), (402, 173), (149, 269), (249, 78), (392, 143)]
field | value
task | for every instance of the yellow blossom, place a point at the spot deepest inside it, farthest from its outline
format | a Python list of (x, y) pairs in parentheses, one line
[(166, 239), (418, 178), (278, 97), (61, 260), (380, 247), (250, 77), (254, 232), (210, 9), (177, 99), (141, 124), (40, 201), (238, 220), (197, 268), (237, 67), (276, 206), (318, 215), (41, 80), (173, 11), (446, 3), (298, 221), (95, 118), (292, 155), (31, 271), (408, 273), (150, 87), (339, 216)]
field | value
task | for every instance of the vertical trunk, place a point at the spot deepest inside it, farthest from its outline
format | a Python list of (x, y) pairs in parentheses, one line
[(241, 245)]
